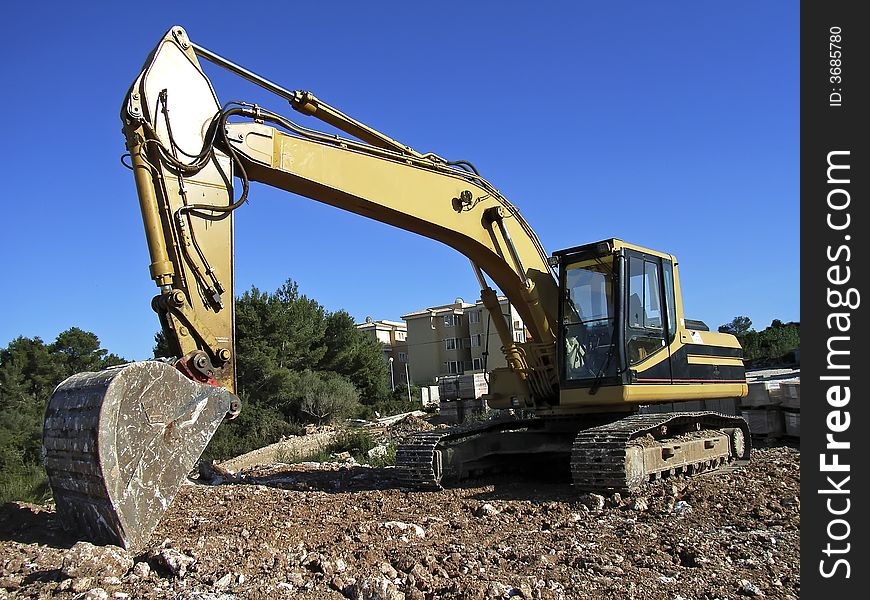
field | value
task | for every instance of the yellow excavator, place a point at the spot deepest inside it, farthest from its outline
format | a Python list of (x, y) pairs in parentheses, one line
[(608, 341)]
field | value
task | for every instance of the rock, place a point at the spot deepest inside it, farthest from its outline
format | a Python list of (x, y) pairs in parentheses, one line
[(377, 452), (639, 504), (214, 473), (225, 581), (374, 588), (486, 510), (296, 579), (174, 561), (93, 594), (406, 563), (87, 560), (142, 570), (747, 588), (82, 584), (111, 581), (682, 507), (547, 559), (12, 583), (608, 569), (388, 571), (421, 576), (406, 527), (342, 456), (337, 583), (592, 501), (340, 565)]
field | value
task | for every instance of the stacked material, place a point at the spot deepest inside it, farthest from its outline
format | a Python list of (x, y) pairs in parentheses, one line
[(430, 395), (458, 411), (791, 408), (450, 411), (772, 408), (462, 387), (462, 396)]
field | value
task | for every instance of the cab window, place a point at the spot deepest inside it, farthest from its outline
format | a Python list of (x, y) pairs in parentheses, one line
[(588, 320), (645, 334)]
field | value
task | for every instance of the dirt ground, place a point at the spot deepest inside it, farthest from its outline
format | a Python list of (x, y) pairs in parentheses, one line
[(349, 531)]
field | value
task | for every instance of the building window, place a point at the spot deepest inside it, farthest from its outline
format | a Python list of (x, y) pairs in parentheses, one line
[(400, 336), (448, 320), (403, 357), (453, 367), (519, 336), (477, 340), (478, 364), (518, 324), (450, 343), (474, 316)]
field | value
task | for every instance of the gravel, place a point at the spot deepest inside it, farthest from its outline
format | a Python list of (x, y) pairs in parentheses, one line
[(349, 531)]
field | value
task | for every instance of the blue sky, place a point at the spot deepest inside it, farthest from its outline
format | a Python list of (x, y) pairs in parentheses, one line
[(673, 125)]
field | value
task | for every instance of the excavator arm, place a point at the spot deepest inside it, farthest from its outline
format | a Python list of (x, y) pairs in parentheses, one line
[(184, 150)]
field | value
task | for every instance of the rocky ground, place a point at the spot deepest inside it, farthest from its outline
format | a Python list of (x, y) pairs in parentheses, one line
[(349, 531)]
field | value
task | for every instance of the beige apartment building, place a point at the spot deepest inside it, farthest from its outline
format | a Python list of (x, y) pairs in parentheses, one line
[(394, 337), (454, 339)]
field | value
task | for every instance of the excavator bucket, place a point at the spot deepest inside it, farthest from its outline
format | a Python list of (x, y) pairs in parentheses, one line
[(119, 442)]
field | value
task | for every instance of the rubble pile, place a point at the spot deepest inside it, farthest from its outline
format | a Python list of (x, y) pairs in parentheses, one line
[(349, 531)]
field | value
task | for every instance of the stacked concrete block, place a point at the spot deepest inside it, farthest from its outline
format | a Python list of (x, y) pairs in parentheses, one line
[(772, 408), (450, 411), (792, 424), (765, 422), (763, 394), (464, 387), (791, 406), (461, 396), (430, 395), (791, 395), (458, 411)]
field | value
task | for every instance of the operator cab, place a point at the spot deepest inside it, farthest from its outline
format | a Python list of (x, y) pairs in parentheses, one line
[(618, 315)]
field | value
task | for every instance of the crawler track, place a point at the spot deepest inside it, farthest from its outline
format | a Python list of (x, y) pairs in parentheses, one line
[(419, 462), (598, 454), (598, 458)]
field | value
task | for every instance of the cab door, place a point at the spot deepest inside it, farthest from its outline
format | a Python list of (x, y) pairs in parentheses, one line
[(646, 320)]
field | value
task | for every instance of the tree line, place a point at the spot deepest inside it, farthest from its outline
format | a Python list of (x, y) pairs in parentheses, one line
[(297, 363), (774, 344), (30, 369)]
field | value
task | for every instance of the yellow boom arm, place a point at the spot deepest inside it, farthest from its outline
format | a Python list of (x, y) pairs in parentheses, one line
[(184, 150)]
